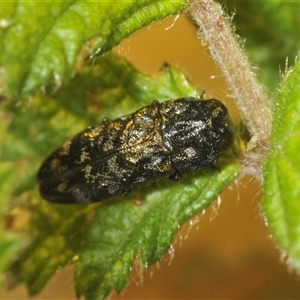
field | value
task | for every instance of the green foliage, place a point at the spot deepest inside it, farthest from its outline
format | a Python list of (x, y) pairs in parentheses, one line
[(107, 238), (123, 232), (282, 169), (40, 41), (270, 30), (104, 240)]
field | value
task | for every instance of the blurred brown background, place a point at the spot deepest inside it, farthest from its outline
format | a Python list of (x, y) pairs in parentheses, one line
[(226, 252)]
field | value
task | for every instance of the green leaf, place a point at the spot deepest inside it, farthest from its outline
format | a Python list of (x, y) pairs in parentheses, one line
[(282, 169), (10, 241), (104, 240), (270, 30), (41, 40), (56, 234), (9, 245), (89, 235), (122, 232)]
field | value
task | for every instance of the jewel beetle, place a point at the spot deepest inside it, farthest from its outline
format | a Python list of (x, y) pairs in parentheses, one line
[(158, 140)]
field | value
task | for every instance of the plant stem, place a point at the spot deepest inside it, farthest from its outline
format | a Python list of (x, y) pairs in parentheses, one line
[(217, 32)]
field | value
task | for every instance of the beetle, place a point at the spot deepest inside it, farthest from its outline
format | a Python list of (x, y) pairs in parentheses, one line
[(158, 140)]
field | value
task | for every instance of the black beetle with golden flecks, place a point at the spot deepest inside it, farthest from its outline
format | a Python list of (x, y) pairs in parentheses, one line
[(162, 139)]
